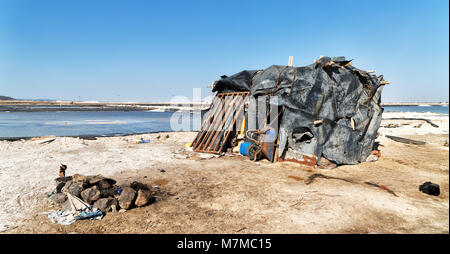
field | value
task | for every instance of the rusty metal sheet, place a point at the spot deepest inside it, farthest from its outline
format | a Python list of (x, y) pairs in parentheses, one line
[(304, 160)]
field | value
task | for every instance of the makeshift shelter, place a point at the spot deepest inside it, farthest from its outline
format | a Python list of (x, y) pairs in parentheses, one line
[(328, 108)]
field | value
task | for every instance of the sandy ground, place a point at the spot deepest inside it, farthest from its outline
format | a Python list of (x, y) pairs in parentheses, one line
[(231, 194)]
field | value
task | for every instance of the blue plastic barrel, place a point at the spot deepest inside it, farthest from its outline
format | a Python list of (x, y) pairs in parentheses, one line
[(243, 148)]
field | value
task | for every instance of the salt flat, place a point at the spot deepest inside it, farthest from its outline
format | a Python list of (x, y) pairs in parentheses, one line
[(233, 194)]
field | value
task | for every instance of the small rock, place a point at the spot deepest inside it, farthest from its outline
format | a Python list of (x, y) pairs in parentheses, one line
[(162, 171), (93, 180), (111, 192), (167, 136), (326, 164), (91, 194), (139, 186), (66, 186), (77, 178), (106, 204), (104, 185), (143, 196), (58, 198), (446, 143), (126, 198), (76, 189), (63, 179)]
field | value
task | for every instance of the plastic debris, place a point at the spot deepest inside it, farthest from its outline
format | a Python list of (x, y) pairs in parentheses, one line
[(62, 218), (62, 170), (79, 210), (97, 214), (49, 194), (143, 141), (381, 187), (430, 188), (372, 158)]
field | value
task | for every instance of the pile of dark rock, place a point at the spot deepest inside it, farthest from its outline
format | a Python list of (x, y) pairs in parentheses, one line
[(102, 192)]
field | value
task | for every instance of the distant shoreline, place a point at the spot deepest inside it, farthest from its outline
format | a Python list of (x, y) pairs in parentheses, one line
[(40, 106)]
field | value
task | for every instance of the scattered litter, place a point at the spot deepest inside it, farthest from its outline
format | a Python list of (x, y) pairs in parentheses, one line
[(179, 150), (49, 194), (237, 231), (62, 218), (405, 140), (206, 156), (62, 170), (4, 228), (381, 187), (7, 227), (376, 152), (314, 176), (430, 188), (181, 156), (79, 211), (372, 158), (296, 178), (412, 119), (391, 125), (374, 155), (48, 141), (143, 141), (96, 214)]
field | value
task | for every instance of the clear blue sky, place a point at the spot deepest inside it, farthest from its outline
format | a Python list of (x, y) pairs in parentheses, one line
[(153, 50)]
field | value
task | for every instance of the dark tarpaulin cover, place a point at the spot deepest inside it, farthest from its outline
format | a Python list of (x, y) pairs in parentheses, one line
[(346, 99), (239, 82)]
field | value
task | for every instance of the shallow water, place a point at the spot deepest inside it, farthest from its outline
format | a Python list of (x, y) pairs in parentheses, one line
[(103, 123), (433, 109), (77, 123)]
